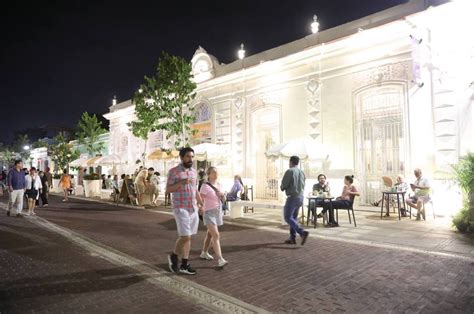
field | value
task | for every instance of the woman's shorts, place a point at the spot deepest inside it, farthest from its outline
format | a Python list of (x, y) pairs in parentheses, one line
[(213, 217)]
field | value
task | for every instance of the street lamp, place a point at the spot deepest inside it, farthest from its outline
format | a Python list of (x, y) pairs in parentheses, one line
[(241, 52), (114, 101), (315, 25), (26, 147)]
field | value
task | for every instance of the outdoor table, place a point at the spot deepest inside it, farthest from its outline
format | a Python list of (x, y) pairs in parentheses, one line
[(315, 197), (388, 194)]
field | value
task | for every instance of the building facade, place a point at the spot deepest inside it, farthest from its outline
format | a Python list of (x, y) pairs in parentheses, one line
[(382, 95)]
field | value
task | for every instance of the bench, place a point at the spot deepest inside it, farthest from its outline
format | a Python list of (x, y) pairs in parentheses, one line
[(236, 208)]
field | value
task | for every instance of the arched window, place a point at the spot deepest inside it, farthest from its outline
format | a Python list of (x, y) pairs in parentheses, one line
[(202, 124)]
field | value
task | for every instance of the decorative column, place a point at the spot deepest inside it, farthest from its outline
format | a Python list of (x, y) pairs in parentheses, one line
[(239, 134), (314, 108)]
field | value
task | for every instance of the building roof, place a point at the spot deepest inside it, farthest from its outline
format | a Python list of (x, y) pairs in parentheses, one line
[(324, 37)]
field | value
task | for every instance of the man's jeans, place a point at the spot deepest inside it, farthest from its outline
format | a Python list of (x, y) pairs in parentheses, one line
[(290, 211), (16, 197)]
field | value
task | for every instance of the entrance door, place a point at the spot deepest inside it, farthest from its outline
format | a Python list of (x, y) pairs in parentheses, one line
[(381, 137), (265, 129)]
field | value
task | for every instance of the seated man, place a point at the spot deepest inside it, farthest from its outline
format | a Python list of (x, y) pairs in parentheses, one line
[(342, 202), (421, 187), (321, 186)]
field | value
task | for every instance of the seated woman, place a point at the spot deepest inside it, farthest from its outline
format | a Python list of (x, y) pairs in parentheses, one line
[(342, 202), (401, 186), (234, 192)]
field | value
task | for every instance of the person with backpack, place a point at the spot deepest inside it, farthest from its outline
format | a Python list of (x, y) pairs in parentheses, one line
[(212, 216)]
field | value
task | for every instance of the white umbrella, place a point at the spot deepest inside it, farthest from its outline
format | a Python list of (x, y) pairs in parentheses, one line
[(78, 162), (207, 151), (304, 148), (108, 160)]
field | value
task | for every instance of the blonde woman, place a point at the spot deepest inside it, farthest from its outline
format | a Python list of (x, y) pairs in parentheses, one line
[(65, 184), (212, 216), (33, 187), (141, 185)]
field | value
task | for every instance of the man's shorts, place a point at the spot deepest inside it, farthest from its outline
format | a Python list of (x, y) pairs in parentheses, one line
[(187, 222)]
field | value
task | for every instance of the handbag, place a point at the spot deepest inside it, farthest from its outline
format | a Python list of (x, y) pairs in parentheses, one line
[(223, 203)]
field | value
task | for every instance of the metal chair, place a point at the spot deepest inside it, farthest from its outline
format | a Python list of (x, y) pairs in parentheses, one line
[(351, 208)]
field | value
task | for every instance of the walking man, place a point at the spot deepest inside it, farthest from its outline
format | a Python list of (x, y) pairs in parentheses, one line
[(16, 188), (293, 184), (182, 184)]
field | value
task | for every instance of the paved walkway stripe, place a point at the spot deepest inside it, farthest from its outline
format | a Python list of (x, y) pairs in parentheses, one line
[(213, 300), (313, 234)]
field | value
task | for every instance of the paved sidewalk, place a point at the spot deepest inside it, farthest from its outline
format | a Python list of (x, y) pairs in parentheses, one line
[(324, 275), (43, 272)]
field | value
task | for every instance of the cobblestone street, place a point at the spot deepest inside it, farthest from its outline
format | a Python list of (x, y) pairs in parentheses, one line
[(42, 270)]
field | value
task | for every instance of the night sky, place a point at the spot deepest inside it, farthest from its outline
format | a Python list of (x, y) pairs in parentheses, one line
[(60, 58)]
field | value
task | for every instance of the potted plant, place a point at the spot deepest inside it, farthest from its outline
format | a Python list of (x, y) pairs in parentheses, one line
[(464, 174), (92, 185), (56, 178)]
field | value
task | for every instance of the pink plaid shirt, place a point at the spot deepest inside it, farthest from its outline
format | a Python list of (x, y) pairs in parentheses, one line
[(185, 196)]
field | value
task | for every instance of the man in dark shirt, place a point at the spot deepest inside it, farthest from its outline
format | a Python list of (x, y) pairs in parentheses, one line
[(16, 188), (321, 186)]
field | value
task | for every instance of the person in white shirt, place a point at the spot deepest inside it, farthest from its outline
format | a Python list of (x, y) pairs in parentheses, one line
[(33, 188), (422, 189)]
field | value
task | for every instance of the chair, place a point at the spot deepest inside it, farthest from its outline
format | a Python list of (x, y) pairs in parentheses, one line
[(244, 196), (430, 200), (351, 208), (314, 215)]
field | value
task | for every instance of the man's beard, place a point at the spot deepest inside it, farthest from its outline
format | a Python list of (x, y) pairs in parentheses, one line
[(188, 164)]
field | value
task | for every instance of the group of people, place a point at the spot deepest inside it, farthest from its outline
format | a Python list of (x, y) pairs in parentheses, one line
[(32, 184), (147, 186), (188, 200), (421, 189)]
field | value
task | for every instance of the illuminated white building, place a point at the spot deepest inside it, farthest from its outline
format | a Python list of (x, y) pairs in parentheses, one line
[(383, 95)]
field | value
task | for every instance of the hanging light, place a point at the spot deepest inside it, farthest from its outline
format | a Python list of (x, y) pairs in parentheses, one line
[(241, 52), (315, 25), (140, 90), (26, 147)]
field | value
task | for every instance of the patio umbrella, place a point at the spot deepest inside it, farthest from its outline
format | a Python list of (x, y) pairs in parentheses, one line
[(209, 151), (304, 148), (163, 155), (78, 162), (108, 160)]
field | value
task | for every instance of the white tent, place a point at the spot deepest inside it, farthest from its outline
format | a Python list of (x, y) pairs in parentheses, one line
[(209, 151), (78, 162)]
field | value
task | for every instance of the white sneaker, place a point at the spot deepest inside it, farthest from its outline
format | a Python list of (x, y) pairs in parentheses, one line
[(222, 262), (206, 256)]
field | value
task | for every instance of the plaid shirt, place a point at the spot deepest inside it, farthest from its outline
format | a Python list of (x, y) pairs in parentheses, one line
[(185, 196)]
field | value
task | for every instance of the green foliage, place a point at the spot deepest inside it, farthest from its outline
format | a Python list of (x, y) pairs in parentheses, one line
[(164, 101), (90, 128), (20, 142), (62, 153), (56, 176), (92, 176), (462, 222), (464, 174), (39, 143), (7, 155)]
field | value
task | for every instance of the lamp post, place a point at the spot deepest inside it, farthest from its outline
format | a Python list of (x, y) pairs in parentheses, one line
[(315, 25), (241, 52)]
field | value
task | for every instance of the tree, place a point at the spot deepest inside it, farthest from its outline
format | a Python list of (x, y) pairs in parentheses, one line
[(464, 175), (20, 145), (163, 101), (90, 128), (62, 153)]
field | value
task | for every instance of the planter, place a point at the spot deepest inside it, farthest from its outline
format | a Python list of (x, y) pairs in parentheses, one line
[(56, 187), (92, 188)]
